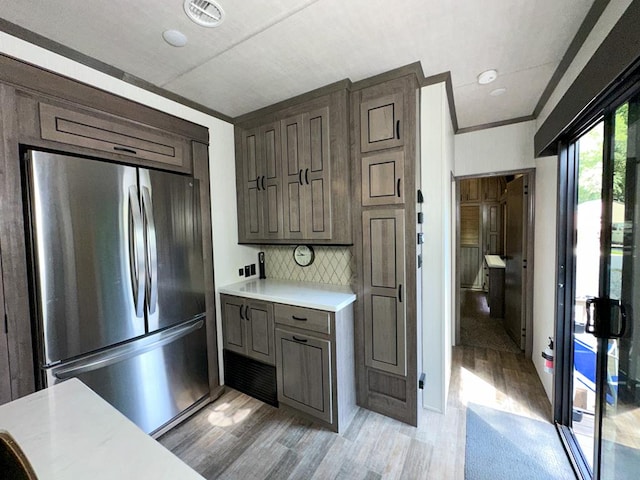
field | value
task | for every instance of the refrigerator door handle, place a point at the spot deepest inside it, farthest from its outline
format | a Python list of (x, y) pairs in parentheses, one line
[(136, 251), (152, 252), (124, 352)]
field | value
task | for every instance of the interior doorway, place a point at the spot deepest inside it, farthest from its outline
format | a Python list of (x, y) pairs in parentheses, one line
[(494, 261)]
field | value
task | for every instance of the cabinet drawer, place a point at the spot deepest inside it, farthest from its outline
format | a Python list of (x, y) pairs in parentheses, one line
[(112, 135), (305, 318)]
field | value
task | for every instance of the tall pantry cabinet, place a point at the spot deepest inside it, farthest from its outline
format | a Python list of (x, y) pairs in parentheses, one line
[(385, 161)]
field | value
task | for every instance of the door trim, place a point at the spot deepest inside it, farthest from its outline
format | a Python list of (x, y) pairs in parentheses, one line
[(529, 235)]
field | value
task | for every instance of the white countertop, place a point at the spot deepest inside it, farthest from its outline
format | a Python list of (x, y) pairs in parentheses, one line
[(494, 261), (320, 296), (68, 432)]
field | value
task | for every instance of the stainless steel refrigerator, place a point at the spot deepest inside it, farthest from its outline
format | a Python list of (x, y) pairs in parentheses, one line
[(119, 283)]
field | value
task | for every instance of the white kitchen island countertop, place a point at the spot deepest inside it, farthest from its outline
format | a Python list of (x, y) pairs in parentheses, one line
[(320, 296), (68, 432)]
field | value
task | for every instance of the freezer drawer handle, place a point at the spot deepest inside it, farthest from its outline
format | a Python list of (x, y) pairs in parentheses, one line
[(136, 251), (124, 352), (152, 252)]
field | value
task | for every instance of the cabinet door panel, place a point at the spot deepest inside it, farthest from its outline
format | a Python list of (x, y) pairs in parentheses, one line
[(260, 335), (382, 122), (253, 209), (233, 324), (317, 175), (293, 165), (303, 366), (271, 182), (383, 178), (384, 281)]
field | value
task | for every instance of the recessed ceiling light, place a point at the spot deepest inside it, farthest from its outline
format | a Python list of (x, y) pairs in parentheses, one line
[(497, 92), (487, 77), (206, 13), (175, 38)]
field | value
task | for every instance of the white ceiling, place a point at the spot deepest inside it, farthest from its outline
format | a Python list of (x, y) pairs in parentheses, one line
[(268, 51)]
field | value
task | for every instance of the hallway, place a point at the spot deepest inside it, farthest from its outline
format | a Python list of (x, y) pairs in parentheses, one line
[(477, 329)]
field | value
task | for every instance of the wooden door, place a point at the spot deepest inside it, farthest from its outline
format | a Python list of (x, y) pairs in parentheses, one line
[(293, 166), (382, 122), (234, 327), (383, 178), (384, 298), (471, 272), (5, 375), (260, 344), (515, 251), (317, 175), (303, 366), (253, 218), (271, 181)]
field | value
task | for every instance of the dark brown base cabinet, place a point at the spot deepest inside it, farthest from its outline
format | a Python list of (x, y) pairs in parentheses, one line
[(314, 355), (248, 328)]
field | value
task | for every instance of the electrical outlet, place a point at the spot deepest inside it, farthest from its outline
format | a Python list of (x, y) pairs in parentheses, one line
[(241, 272), (253, 269), (247, 270)]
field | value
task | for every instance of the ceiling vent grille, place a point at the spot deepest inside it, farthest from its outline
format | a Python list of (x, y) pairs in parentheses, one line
[(204, 12)]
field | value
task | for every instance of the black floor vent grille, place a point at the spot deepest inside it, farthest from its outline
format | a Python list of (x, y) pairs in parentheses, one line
[(251, 377)]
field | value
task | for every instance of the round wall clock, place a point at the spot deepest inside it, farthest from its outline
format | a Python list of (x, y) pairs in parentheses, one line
[(303, 255)]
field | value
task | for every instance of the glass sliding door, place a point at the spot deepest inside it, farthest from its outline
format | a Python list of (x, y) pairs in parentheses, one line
[(588, 214), (601, 329), (617, 326)]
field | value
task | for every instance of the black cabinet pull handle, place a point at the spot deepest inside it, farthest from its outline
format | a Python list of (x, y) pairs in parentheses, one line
[(258, 182), (398, 129), (306, 176), (300, 177), (398, 188), (126, 150), (241, 315), (301, 340), (263, 183), (246, 313), (400, 293), (300, 319)]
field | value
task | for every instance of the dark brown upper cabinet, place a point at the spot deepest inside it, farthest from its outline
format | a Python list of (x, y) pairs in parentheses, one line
[(470, 190), (307, 176), (262, 182), (382, 122), (306, 196)]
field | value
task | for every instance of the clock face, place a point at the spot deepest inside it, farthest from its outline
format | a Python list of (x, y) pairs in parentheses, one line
[(303, 255)]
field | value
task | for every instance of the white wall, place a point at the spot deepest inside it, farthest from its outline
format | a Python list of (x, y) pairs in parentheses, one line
[(437, 155), (499, 149), (544, 264), (509, 148), (228, 256), (601, 29)]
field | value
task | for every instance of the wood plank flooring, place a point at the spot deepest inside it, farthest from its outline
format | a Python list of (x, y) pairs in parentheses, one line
[(238, 437)]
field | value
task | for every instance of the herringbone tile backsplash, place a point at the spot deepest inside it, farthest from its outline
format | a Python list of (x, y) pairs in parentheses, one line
[(333, 265)]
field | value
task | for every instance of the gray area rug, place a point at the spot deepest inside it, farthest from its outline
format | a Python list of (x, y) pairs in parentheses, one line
[(504, 446)]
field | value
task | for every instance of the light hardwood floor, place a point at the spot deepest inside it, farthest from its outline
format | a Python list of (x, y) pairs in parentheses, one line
[(238, 437)]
